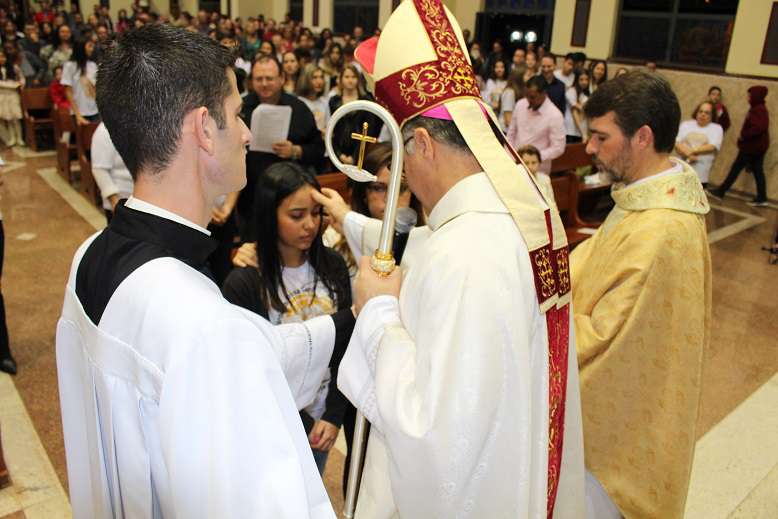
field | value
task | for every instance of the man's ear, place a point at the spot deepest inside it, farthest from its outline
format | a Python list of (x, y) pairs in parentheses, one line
[(204, 129), (644, 137), (423, 143)]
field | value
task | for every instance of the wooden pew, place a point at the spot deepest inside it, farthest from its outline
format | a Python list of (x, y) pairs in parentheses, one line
[(565, 187), (87, 186), (574, 157), (36, 100), (337, 181), (63, 122)]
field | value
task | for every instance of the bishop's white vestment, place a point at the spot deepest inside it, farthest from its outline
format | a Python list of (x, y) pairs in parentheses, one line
[(454, 375), (177, 404)]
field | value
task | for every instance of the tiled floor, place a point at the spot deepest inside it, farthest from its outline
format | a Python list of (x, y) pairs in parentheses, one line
[(736, 466)]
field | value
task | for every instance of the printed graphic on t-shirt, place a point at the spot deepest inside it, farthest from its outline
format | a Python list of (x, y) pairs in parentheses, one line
[(304, 306), (696, 139)]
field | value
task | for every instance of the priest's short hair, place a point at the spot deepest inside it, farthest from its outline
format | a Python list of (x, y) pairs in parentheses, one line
[(638, 99)]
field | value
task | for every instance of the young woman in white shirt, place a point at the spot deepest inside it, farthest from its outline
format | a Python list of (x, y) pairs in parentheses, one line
[(297, 279), (598, 72), (311, 90), (495, 85), (79, 75), (577, 95), (513, 92)]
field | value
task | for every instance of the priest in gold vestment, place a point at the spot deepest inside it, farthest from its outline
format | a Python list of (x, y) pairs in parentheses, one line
[(642, 304)]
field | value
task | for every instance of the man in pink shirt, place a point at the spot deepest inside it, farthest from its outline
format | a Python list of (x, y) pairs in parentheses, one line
[(538, 122)]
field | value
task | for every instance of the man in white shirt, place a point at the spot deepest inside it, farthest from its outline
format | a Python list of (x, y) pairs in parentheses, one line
[(174, 402), (566, 74)]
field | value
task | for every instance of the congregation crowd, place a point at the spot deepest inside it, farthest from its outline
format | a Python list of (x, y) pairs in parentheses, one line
[(283, 62), (286, 268)]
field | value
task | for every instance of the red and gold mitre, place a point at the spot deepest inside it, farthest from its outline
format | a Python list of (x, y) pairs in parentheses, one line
[(419, 62), (420, 66)]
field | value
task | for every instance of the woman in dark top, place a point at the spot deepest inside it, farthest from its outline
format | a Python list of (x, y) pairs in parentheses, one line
[(297, 279)]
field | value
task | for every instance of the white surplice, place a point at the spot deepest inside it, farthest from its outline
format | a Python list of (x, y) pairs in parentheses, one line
[(454, 375), (178, 405)]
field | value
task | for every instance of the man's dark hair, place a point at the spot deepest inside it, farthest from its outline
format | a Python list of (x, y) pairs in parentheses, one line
[(714, 87), (570, 56), (639, 99), (537, 82), (303, 54), (264, 58), (549, 56), (149, 80)]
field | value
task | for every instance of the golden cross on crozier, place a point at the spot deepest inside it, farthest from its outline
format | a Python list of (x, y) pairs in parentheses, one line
[(363, 139)]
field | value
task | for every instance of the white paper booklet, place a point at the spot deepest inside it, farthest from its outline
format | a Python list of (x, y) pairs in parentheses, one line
[(269, 125)]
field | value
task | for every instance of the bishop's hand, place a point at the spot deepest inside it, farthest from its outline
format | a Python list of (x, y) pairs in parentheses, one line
[(369, 284), (334, 205)]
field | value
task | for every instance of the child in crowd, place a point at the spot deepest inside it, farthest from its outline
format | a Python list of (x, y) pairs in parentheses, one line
[(531, 157), (722, 115), (57, 90), (10, 102), (297, 279)]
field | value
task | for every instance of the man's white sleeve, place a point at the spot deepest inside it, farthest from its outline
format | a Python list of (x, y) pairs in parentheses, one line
[(304, 352), (230, 432)]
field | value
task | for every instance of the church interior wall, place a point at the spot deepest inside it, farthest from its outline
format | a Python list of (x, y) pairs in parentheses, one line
[(465, 11), (601, 30), (748, 37)]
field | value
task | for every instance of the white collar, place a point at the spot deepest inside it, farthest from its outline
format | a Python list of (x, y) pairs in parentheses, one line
[(145, 207), (677, 168), (473, 193)]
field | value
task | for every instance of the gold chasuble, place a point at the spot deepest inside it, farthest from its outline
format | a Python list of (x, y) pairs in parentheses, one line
[(642, 307)]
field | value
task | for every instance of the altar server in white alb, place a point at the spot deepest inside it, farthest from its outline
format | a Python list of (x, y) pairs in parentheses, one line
[(468, 374), (175, 403)]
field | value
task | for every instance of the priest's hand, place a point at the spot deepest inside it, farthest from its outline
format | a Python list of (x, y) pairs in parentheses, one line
[(334, 205), (369, 284), (246, 256), (323, 435)]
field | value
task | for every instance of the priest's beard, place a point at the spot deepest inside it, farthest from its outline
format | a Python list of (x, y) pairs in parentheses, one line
[(617, 170)]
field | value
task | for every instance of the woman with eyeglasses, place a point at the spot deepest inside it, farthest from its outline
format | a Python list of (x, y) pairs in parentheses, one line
[(369, 199)]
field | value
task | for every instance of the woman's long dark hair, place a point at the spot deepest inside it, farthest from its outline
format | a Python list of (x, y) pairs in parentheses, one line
[(591, 73), (275, 184), (80, 57), (578, 90)]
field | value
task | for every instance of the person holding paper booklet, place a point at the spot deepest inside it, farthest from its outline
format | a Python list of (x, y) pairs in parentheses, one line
[(282, 128)]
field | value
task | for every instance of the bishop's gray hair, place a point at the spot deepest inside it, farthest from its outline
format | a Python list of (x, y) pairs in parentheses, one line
[(444, 132)]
